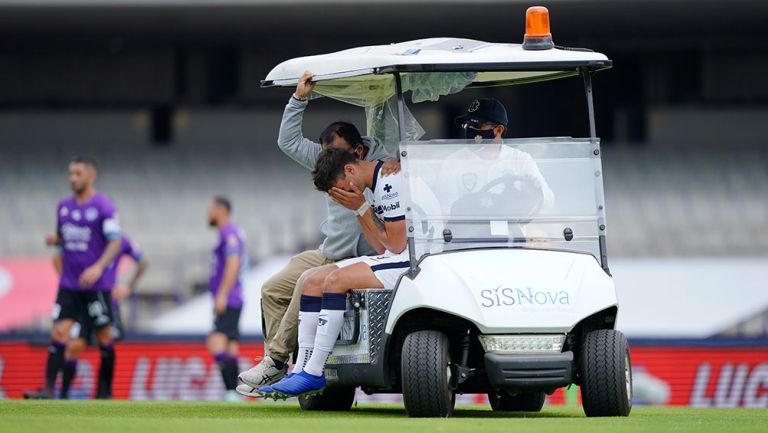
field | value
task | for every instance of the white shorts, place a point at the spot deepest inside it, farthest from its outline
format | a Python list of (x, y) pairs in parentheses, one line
[(387, 267)]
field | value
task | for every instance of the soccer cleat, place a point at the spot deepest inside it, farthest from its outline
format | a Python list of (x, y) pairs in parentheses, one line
[(249, 391), (40, 394), (268, 391), (262, 374), (231, 396), (298, 384)]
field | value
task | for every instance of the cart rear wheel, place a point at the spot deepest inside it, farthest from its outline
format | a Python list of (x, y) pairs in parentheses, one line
[(427, 375), (606, 374), (523, 402), (332, 399)]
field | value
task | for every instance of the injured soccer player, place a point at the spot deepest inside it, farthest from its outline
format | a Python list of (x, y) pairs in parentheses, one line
[(376, 200)]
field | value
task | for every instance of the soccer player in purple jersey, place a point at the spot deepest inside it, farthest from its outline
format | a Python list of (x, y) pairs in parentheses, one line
[(227, 270), (88, 231), (82, 334)]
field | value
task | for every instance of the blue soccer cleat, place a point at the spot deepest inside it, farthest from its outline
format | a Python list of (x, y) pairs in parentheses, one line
[(298, 384), (268, 392)]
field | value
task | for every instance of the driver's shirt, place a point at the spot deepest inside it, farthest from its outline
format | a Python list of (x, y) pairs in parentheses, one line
[(386, 197), (468, 171)]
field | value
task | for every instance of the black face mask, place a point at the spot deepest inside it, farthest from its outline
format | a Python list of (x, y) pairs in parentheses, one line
[(471, 133)]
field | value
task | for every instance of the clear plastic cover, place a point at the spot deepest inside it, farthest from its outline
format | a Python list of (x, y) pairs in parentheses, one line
[(543, 193), (377, 95)]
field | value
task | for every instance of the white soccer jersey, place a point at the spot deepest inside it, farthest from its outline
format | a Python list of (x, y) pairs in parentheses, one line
[(386, 195)]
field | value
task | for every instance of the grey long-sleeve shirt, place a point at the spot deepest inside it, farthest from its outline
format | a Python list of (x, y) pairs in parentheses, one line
[(343, 237)]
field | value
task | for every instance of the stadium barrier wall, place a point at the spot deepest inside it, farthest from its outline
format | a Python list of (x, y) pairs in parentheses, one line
[(700, 373)]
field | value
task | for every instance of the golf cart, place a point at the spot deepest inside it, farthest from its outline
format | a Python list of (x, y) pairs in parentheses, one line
[(508, 291)]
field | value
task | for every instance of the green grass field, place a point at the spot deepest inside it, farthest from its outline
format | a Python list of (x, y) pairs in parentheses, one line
[(253, 417)]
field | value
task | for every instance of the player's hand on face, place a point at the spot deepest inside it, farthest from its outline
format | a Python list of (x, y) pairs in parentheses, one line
[(89, 276), (305, 85), (121, 292), (351, 200), (390, 166), (219, 305), (51, 239)]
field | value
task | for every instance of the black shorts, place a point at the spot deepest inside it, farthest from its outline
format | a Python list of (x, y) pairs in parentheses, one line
[(227, 323), (91, 309), (84, 330)]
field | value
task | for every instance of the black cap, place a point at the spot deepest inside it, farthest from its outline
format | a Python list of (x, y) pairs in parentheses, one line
[(486, 110)]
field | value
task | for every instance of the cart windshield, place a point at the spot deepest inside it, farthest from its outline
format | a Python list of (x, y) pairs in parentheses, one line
[(543, 193)]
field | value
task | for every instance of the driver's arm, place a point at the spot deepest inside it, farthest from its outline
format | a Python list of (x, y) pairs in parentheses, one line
[(530, 169)]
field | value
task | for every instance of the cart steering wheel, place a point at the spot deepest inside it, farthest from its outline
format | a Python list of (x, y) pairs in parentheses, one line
[(516, 190)]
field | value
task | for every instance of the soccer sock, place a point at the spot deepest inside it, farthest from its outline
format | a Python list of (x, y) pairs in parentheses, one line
[(329, 323), (52, 367), (106, 371), (68, 373), (308, 312), (228, 366)]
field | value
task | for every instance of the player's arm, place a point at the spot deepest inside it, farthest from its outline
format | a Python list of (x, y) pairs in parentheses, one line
[(290, 139), (370, 235), (111, 231), (390, 235), (123, 291), (231, 269), (92, 274), (141, 267), (56, 260)]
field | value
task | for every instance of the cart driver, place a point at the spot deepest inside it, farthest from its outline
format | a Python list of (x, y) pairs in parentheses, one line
[(487, 179), (359, 186), (485, 122)]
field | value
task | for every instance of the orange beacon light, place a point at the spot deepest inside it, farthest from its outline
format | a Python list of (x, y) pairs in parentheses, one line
[(537, 35)]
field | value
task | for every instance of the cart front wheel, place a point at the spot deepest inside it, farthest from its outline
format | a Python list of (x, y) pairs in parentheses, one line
[(426, 375), (606, 374)]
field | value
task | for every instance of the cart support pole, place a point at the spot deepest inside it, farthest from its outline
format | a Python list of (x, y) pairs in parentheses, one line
[(600, 194), (414, 269)]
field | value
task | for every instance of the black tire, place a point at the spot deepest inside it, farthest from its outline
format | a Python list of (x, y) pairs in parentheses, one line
[(425, 362), (332, 399), (606, 374), (523, 402)]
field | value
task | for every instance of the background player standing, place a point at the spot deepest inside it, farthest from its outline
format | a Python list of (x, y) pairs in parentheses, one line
[(227, 269), (81, 332), (88, 231)]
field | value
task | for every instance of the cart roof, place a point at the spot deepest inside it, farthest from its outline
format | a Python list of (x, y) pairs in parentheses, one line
[(495, 64)]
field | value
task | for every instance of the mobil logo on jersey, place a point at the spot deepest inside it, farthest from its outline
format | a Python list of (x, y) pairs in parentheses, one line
[(387, 207)]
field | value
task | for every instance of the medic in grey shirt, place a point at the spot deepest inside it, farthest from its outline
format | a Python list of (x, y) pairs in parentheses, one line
[(343, 238)]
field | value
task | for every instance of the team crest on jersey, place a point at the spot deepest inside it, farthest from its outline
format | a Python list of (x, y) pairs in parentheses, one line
[(64, 212), (76, 215), (91, 214), (469, 180)]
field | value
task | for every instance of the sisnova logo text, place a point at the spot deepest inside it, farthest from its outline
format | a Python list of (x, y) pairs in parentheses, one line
[(507, 297)]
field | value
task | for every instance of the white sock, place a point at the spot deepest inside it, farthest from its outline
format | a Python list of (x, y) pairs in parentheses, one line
[(329, 324), (307, 330)]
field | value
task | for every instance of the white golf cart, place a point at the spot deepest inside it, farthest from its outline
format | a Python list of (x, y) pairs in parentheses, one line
[(508, 291)]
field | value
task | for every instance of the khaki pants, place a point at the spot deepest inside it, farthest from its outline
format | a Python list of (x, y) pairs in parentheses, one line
[(280, 298)]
